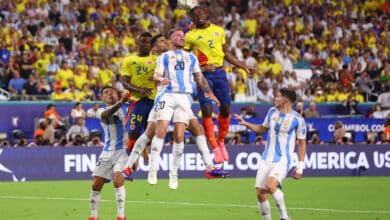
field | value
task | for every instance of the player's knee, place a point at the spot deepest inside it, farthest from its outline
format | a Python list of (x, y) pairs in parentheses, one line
[(224, 110), (97, 185), (118, 180), (261, 194), (271, 185)]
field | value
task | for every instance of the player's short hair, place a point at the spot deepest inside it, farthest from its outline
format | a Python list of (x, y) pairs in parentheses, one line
[(289, 94), (106, 87), (155, 38), (145, 34), (173, 31), (193, 9)]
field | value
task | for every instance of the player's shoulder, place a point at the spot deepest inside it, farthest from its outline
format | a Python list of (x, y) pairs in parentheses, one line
[(273, 109), (297, 115)]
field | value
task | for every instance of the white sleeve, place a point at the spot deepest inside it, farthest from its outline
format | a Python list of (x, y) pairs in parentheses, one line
[(301, 130), (196, 68), (160, 65), (99, 113), (268, 117)]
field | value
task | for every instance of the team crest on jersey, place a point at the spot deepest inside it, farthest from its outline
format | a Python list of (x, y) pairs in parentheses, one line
[(179, 57), (216, 34), (132, 127)]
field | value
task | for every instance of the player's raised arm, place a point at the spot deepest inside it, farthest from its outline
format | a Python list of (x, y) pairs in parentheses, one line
[(204, 85), (112, 109), (233, 60), (254, 127)]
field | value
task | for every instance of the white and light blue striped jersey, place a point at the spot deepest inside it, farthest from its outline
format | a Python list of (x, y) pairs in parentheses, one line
[(115, 136), (178, 66), (283, 130)]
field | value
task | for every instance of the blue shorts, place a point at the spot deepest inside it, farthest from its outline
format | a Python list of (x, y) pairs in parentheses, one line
[(219, 85), (137, 118)]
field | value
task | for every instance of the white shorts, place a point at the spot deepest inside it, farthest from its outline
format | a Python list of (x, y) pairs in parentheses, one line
[(268, 169), (175, 106), (110, 162)]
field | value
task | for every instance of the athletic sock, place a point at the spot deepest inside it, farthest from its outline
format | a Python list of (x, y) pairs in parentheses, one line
[(265, 209), (279, 200), (139, 146), (223, 127), (157, 145), (208, 126), (177, 152), (94, 201), (120, 194), (203, 149), (130, 145)]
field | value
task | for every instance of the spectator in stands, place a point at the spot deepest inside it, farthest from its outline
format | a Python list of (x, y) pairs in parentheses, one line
[(26, 65), (29, 88), (378, 112), (51, 69), (386, 132), (45, 131), (365, 84), (251, 110), (78, 111), (339, 132), (308, 96), (349, 106), (239, 89), (55, 119), (23, 142), (16, 84), (78, 128), (319, 95), (384, 100), (264, 94), (311, 112), (61, 142), (299, 108), (58, 94), (91, 112), (331, 95)]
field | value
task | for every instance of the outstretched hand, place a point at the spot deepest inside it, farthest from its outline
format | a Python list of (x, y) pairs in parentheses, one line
[(239, 118), (125, 97), (212, 97), (296, 175)]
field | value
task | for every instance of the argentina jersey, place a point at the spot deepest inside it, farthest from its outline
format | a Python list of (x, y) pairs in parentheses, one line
[(283, 130), (178, 66), (115, 137)]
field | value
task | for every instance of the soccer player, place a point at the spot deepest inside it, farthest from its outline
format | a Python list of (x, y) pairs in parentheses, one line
[(113, 156), (284, 126), (175, 102), (160, 45), (207, 41), (137, 71)]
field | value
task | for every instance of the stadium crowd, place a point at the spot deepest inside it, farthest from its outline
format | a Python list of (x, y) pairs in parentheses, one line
[(67, 50)]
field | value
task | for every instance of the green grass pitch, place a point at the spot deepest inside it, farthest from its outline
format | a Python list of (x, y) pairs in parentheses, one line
[(355, 198)]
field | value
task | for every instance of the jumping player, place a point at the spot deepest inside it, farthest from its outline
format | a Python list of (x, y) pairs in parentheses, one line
[(207, 41)]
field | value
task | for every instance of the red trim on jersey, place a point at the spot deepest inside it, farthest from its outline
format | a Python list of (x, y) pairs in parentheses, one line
[(203, 59)]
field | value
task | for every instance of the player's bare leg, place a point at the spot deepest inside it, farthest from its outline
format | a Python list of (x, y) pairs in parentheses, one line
[(277, 195), (177, 151), (120, 194), (263, 203), (94, 197)]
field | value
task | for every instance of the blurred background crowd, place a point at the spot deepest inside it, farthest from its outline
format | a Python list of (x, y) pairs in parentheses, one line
[(66, 50)]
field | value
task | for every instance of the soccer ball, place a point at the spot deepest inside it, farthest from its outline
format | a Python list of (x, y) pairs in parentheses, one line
[(187, 4)]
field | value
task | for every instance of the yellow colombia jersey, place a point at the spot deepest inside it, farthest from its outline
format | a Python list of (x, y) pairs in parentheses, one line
[(140, 69), (207, 44)]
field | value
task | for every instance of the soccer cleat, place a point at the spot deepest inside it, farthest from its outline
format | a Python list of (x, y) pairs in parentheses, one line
[(120, 218), (93, 218), (152, 177), (216, 173), (127, 174), (173, 181), (224, 152), (218, 158)]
